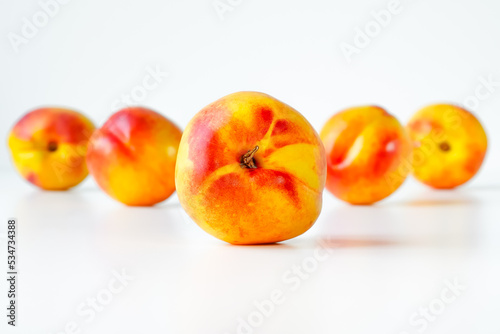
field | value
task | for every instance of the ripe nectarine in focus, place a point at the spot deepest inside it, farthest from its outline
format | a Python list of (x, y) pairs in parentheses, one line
[(251, 170)]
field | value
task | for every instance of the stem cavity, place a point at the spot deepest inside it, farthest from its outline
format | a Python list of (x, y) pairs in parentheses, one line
[(247, 160), (444, 146)]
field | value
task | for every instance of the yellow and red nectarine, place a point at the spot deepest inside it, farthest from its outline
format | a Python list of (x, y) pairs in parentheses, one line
[(48, 147), (449, 145), (132, 156), (368, 154), (251, 170)]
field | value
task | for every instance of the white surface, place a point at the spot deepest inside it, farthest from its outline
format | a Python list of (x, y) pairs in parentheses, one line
[(386, 262)]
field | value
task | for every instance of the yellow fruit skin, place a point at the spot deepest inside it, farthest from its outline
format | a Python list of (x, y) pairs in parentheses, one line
[(449, 145), (48, 147)]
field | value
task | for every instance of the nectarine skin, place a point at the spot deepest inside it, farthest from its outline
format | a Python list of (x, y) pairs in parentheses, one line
[(368, 153), (132, 156), (449, 145), (251, 170), (48, 147)]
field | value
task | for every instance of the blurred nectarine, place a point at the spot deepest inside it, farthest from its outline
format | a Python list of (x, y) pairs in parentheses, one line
[(48, 147), (449, 145), (368, 154), (132, 156)]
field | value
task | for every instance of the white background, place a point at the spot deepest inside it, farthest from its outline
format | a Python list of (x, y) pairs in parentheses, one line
[(387, 261), (91, 52)]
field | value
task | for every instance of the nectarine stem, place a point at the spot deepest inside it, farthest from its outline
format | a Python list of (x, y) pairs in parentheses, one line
[(247, 160), (444, 146), (52, 146)]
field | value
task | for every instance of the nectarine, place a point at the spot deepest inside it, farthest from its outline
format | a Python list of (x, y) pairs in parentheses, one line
[(48, 147), (251, 170), (367, 152), (132, 156), (449, 145)]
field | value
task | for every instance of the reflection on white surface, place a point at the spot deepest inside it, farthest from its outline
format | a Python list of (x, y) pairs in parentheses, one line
[(360, 269)]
